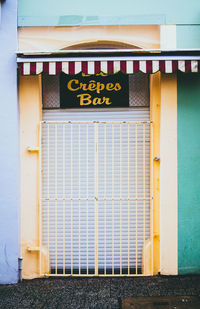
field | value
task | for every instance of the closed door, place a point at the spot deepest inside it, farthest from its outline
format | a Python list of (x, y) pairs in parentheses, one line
[(96, 191)]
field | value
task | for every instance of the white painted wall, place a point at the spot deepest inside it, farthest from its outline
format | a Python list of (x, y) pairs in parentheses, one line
[(168, 37)]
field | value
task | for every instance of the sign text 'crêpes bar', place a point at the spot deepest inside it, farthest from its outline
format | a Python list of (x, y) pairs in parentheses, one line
[(94, 91)]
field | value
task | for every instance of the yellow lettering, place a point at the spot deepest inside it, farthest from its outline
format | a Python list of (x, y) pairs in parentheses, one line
[(110, 87), (69, 85), (97, 101), (107, 101), (117, 87), (101, 74), (83, 86), (100, 87), (92, 85), (84, 74), (85, 99)]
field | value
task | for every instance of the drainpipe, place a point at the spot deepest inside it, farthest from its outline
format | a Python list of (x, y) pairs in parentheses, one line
[(20, 259)]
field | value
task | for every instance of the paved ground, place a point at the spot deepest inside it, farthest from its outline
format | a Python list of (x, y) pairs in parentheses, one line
[(103, 293)]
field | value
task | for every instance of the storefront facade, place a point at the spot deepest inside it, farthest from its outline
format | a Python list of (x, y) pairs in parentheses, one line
[(124, 221), (109, 151)]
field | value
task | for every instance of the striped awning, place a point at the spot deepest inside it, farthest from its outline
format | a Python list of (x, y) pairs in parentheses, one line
[(128, 66)]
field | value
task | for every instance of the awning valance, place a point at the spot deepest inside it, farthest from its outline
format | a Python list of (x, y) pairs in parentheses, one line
[(127, 66)]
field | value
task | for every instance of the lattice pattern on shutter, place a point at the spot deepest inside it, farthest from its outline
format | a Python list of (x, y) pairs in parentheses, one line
[(51, 93), (139, 90)]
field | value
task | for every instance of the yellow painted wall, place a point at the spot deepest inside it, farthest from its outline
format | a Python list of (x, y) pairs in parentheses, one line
[(155, 81), (56, 38), (168, 175), (168, 162), (30, 101), (30, 116), (30, 98)]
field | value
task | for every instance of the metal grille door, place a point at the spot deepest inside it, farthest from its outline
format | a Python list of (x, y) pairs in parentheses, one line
[(96, 197)]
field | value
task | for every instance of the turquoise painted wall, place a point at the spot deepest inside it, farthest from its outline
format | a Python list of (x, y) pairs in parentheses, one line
[(188, 36), (104, 12), (188, 173)]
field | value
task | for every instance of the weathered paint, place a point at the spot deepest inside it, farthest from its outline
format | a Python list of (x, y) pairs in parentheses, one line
[(168, 162), (9, 141), (76, 20), (143, 12), (30, 100), (188, 173), (168, 175), (55, 38), (188, 36), (30, 116), (155, 84)]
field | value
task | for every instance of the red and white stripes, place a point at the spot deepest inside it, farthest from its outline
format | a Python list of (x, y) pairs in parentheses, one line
[(110, 67)]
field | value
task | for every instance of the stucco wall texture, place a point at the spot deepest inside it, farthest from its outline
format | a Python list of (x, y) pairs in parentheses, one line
[(127, 12), (188, 173), (185, 16), (9, 145)]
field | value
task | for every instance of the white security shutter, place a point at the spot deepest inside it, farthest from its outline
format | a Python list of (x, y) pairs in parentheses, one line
[(96, 190)]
